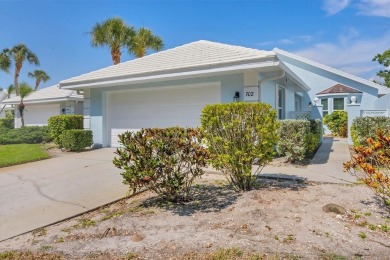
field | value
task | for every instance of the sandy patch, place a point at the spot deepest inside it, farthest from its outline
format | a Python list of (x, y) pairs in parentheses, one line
[(279, 218)]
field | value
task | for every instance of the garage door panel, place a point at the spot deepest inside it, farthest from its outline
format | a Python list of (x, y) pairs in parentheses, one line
[(158, 108)]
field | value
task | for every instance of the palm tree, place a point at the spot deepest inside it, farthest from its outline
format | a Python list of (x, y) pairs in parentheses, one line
[(10, 90), (20, 53), (114, 33), (24, 91), (38, 75), (144, 40), (5, 61)]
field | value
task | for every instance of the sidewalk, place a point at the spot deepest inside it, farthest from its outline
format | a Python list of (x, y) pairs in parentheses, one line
[(326, 166)]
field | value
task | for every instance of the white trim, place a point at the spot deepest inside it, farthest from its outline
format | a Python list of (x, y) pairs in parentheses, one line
[(381, 89), (339, 94), (42, 101), (193, 85), (177, 75)]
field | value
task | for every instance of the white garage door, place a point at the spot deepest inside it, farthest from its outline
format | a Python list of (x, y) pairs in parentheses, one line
[(37, 115), (162, 107)]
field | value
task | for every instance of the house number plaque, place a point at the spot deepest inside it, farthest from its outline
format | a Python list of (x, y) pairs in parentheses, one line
[(251, 93)]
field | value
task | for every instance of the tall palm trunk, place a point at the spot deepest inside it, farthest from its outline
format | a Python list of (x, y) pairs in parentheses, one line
[(18, 67), (21, 110), (116, 56), (37, 84)]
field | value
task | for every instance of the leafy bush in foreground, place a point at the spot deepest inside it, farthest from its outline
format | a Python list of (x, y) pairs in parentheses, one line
[(25, 135), (239, 135), (166, 161), (76, 139), (365, 127), (337, 122), (374, 161)]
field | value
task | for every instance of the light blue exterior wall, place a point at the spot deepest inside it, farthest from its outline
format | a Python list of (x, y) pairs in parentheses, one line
[(318, 80), (383, 102)]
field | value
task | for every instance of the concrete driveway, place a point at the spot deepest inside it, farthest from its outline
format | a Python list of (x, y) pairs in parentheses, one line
[(36, 194)]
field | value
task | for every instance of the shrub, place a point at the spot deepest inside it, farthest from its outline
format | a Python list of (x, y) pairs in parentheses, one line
[(76, 139), (315, 135), (239, 135), (374, 161), (7, 123), (298, 138), (165, 161), (363, 128), (58, 124), (337, 122), (25, 135)]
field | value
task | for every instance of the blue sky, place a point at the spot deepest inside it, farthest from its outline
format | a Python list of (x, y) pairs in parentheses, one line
[(345, 34)]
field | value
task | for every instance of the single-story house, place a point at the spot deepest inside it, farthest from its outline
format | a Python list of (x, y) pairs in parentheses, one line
[(45, 103), (3, 107), (170, 88)]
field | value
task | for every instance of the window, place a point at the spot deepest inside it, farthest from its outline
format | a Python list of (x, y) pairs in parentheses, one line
[(325, 109), (280, 102), (338, 104)]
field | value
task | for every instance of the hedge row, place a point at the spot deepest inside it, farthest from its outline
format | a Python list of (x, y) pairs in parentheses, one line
[(61, 123), (25, 135), (298, 138), (76, 139), (363, 128)]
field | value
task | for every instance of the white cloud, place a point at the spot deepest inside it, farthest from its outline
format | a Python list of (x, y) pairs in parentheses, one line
[(287, 41), (350, 55), (332, 7), (374, 7)]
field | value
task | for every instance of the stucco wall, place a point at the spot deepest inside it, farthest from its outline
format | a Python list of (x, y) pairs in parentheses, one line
[(318, 80), (383, 102)]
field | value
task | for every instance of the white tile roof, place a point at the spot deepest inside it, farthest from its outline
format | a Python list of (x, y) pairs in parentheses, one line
[(47, 94), (199, 54)]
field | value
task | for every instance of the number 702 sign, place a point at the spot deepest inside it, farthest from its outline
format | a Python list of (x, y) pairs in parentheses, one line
[(251, 93)]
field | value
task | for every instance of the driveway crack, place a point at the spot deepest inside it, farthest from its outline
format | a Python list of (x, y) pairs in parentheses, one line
[(36, 186)]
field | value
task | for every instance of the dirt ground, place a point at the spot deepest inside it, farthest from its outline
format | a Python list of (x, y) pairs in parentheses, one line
[(280, 219)]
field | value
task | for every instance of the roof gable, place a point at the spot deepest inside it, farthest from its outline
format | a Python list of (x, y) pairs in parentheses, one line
[(381, 89), (199, 54), (338, 89)]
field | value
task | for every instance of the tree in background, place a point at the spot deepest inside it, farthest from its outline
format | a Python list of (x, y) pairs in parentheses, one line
[(19, 54), (144, 40), (38, 75), (10, 90), (5, 61), (384, 59), (113, 32), (24, 91)]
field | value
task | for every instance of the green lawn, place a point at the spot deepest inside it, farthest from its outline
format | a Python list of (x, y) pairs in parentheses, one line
[(21, 153)]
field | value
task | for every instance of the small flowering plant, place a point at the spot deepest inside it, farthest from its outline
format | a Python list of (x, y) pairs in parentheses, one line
[(374, 161)]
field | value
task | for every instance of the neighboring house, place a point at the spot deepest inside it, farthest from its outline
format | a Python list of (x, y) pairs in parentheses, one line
[(45, 103), (3, 107), (170, 88)]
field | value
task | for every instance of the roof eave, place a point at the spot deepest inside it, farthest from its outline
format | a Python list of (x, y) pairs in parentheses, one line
[(43, 100), (168, 76)]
